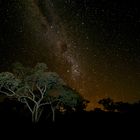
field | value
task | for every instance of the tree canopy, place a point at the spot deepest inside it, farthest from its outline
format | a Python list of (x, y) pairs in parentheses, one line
[(37, 87)]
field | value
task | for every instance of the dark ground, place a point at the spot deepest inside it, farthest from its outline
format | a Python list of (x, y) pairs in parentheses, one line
[(15, 122), (89, 124)]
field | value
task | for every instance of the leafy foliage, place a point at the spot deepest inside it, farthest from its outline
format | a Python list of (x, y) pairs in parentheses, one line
[(8, 83), (42, 67)]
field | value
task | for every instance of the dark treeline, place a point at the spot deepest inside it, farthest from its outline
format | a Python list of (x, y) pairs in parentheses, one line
[(15, 116), (121, 107), (13, 110)]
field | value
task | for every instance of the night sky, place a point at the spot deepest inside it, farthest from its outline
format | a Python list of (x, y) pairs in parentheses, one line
[(92, 44)]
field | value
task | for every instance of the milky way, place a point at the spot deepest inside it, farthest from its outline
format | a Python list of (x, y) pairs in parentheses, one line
[(93, 45), (63, 48)]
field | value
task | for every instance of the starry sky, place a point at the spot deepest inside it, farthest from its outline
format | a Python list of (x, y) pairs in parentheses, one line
[(92, 44)]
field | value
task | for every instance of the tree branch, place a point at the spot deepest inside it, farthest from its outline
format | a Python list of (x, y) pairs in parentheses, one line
[(28, 106), (44, 89), (39, 89), (32, 94), (11, 91), (44, 104), (7, 93), (28, 98), (42, 94)]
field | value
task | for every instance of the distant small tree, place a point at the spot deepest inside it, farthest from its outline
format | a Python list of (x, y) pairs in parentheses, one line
[(123, 107), (108, 104)]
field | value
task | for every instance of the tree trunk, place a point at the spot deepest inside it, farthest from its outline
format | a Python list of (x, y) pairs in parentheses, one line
[(35, 114), (53, 114), (33, 117)]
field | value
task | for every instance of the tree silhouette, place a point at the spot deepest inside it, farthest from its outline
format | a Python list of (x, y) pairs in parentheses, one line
[(63, 99), (108, 104), (119, 106)]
